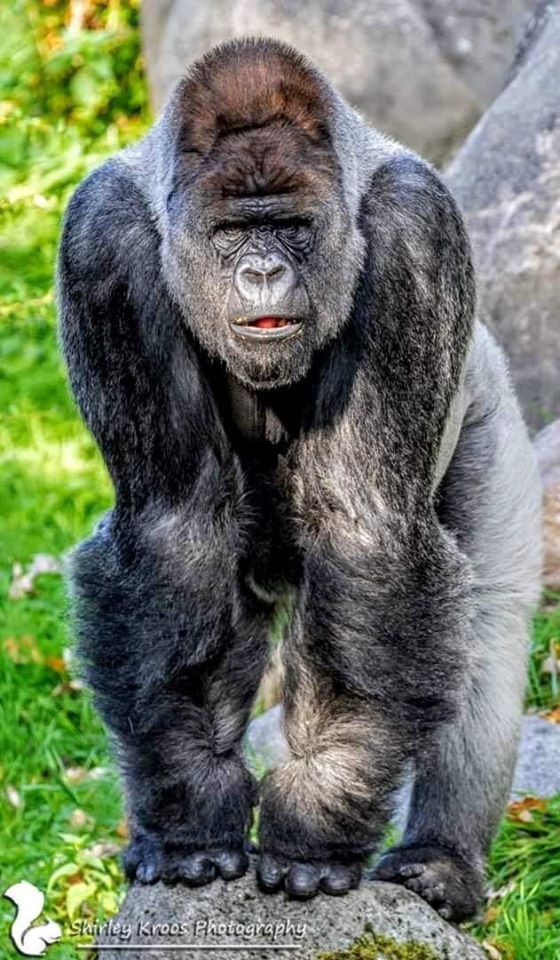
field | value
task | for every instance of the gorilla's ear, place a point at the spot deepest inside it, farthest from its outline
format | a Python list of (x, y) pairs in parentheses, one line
[(417, 289)]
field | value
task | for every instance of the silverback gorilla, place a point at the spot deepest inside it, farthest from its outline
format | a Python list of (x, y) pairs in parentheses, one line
[(267, 311)]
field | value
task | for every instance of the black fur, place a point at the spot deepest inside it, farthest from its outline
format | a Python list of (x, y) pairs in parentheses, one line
[(305, 465)]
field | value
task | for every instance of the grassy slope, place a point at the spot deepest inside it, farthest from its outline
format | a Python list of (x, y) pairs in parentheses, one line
[(67, 100)]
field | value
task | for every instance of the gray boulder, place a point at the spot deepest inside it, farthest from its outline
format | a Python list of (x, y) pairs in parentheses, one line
[(479, 39), (236, 914), (507, 180), (547, 449), (422, 70), (538, 763)]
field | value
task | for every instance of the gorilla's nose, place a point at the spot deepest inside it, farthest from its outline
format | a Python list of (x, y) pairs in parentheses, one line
[(267, 277)]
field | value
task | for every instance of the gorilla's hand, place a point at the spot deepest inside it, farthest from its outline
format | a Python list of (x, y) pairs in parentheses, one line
[(444, 879)]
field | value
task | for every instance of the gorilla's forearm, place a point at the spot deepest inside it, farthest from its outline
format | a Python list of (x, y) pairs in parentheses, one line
[(174, 650)]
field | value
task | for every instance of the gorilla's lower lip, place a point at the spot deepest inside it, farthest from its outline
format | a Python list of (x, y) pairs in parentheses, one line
[(266, 328)]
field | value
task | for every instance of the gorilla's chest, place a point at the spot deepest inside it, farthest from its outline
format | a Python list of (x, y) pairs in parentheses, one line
[(260, 423)]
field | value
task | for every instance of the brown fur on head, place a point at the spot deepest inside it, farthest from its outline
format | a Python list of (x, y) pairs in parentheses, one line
[(255, 115), (251, 83)]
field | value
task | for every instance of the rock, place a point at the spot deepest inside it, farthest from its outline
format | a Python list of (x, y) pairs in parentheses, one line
[(478, 39), (237, 914), (551, 538), (265, 745), (397, 75), (507, 180), (537, 772), (538, 763), (547, 449)]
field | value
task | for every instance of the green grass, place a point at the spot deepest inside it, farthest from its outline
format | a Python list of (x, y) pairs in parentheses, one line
[(67, 100)]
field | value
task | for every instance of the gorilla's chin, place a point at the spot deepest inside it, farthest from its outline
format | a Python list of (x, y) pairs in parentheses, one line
[(264, 364)]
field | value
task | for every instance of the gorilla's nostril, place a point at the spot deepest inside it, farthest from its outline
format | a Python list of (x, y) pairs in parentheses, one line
[(275, 272), (253, 276), (259, 275)]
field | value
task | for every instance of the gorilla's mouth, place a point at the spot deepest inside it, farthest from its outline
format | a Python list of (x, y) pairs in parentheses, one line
[(266, 328)]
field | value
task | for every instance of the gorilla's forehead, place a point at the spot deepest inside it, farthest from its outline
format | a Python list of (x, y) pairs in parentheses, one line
[(267, 167)]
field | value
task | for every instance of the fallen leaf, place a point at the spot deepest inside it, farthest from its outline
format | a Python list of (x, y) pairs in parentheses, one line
[(76, 895), (56, 663), (75, 774), (553, 716), (105, 848), (23, 579), (79, 819), (492, 950), (521, 810), (78, 774), (493, 894), (23, 649), (97, 773), (14, 797), (552, 663), (67, 686)]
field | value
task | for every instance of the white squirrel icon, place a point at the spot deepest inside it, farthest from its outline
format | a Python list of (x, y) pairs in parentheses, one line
[(30, 941)]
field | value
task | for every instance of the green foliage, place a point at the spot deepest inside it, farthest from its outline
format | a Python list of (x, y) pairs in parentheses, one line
[(523, 918), (544, 666), (71, 93)]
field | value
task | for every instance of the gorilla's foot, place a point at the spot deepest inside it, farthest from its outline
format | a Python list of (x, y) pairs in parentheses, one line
[(148, 859), (304, 879), (444, 879)]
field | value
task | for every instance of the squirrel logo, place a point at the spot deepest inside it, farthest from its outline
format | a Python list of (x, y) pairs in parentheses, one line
[(30, 941)]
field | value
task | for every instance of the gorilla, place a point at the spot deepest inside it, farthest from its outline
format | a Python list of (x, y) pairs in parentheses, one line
[(268, 317)]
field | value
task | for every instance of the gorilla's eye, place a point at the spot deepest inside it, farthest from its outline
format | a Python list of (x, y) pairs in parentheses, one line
[(296, 233), (228, 236)]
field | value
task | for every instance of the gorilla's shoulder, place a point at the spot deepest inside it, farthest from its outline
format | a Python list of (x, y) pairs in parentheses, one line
[(106, 220), (407, 179)]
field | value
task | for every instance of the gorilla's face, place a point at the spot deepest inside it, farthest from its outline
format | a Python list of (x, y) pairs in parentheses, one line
[(261, 254)]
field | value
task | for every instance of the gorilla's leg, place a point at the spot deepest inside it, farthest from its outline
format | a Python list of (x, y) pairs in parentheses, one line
[(490, 499), (174, 649), (371, 665)]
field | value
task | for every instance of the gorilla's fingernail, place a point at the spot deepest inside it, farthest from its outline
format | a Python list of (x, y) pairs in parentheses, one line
[(270, 874), (146, 872), (198, 869), (302, 880), (336, 880), (231, 865)]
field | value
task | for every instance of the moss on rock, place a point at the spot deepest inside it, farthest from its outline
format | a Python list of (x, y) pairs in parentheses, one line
[(375, 946)]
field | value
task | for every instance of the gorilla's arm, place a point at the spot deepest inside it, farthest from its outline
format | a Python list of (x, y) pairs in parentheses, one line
[(133, 373), (171, 646), (489, 500), (380, 644)]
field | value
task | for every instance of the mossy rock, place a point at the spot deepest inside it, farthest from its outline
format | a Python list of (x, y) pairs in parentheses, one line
[(376, 946), (379, 921)]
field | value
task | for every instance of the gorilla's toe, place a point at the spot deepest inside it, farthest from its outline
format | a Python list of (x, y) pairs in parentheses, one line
[(270, 873), (196, 869), (303, 880), (231, 864), (142, 859), (148, 859), (444, 879), (339, 878)]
